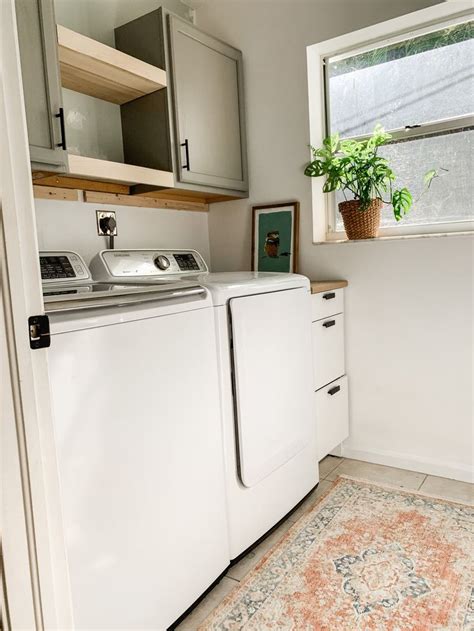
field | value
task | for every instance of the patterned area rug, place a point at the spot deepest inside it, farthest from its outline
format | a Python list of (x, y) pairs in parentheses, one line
[(365, 557)]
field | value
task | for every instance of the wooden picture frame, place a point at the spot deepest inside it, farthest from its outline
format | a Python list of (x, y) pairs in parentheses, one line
[(275, 237)]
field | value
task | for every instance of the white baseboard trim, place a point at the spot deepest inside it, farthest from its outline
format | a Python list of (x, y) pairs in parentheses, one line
[(452, 470)]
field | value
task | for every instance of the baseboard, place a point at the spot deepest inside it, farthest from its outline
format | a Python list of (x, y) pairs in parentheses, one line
[(452, 470)]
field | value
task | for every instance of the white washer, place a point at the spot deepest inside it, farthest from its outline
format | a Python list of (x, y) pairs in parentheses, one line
[(263, 332), (135, 393)]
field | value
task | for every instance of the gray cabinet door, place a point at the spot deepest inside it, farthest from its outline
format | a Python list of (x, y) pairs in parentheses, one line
[(208, 105), (41, 83)]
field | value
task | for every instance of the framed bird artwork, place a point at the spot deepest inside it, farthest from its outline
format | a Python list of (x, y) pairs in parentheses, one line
[(275, 233)]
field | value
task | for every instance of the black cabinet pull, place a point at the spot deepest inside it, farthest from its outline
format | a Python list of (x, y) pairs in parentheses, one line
[(329, 296), (329, 323), (185, 144), (332, 391), (60, 115)]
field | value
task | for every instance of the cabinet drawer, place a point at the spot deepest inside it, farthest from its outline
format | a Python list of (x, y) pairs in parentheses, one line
[(332, 416), (328, 350), (327, 303)]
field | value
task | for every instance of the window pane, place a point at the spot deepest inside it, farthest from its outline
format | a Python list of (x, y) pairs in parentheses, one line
[(424, 79), (450, 197)]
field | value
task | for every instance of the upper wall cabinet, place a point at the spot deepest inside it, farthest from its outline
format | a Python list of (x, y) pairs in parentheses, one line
[(197, 126), (41, 84)]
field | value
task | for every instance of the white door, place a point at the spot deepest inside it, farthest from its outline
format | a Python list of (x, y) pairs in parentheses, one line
[(35, 577), (273, 380), (138, 430), (207, 84)]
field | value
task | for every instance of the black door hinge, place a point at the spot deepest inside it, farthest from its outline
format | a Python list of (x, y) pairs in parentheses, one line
[(39, 331)]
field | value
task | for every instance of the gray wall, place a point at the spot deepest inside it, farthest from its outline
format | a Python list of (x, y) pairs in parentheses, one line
[(409, 303)]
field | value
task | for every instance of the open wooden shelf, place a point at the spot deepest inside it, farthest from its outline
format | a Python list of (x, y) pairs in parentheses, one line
[(92, 68), (94, 169)]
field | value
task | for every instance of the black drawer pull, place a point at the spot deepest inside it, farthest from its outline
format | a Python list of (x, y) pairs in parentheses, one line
[(332, 391), (329, 323), (60, 115), (185, 144), (329, 296)]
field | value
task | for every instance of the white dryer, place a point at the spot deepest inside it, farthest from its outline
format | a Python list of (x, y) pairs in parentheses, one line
[(263, 333), (263, 325)]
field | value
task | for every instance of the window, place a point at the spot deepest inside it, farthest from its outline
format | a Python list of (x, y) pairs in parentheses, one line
[(420, 86)]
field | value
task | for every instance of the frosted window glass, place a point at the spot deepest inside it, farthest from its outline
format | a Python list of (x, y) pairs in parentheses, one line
[(413, 88)]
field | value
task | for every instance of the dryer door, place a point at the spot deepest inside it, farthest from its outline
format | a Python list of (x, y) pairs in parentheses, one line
[(272, 380)]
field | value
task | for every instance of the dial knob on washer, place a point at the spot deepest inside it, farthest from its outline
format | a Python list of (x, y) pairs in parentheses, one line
[(162, 262)]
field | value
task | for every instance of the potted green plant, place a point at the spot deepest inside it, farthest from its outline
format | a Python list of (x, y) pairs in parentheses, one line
[(355, 167)]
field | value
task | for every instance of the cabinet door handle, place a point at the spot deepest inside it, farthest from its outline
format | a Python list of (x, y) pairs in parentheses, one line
[(334, 390), (60, 115), (329, 323), (185, 144), (329, 296)]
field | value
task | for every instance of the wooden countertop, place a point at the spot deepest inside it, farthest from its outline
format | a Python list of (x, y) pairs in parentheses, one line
[(318, 286)]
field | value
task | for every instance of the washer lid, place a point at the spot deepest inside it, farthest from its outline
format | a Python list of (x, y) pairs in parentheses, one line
[(226, 285), (62, 298)]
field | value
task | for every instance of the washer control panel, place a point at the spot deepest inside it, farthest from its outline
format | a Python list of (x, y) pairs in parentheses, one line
[(187, 262), (119, 264), (62, 267)]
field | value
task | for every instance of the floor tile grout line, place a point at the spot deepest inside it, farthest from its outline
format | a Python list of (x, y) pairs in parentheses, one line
[(334, 468), (423, 481), (331, 473)]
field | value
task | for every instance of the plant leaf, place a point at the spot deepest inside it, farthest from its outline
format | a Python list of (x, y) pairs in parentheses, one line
[(314, 169), (401, 202), (332, 142), (429, 177)]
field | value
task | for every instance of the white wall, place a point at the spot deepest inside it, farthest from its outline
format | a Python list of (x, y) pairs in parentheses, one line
[(409, 303), (72, 226)]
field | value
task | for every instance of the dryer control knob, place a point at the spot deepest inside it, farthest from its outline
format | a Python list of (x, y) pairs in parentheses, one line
[(162, 262)]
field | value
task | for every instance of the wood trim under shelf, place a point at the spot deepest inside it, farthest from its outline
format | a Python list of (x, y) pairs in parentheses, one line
[(145, 202), (59, 193), (92, 68)]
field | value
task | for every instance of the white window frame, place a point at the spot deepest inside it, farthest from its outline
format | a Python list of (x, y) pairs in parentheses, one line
[(379, 35)]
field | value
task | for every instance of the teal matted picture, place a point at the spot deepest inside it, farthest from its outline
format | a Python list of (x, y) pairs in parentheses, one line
[(275, 237)]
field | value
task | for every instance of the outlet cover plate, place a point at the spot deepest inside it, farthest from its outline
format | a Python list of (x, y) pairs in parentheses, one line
[(104, 214)]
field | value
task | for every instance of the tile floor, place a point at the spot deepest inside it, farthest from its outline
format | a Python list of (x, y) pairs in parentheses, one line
[(329, 469)]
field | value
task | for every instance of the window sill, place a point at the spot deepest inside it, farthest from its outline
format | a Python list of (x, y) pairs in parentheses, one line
[(400, 237)]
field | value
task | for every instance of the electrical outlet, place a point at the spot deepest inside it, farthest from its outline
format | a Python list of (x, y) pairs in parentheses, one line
[(106, 223)]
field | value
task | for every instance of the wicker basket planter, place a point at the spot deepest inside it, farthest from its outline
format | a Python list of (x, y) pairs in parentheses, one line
[(361, 224)]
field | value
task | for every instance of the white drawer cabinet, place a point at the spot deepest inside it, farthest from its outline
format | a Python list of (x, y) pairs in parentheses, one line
[(328, 349), (332, 415), (327, 303), (329, 378)]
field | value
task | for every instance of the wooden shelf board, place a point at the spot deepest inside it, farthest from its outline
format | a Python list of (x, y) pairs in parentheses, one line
[(94, 169), (181, 193), (64, 181), (92, 68)]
